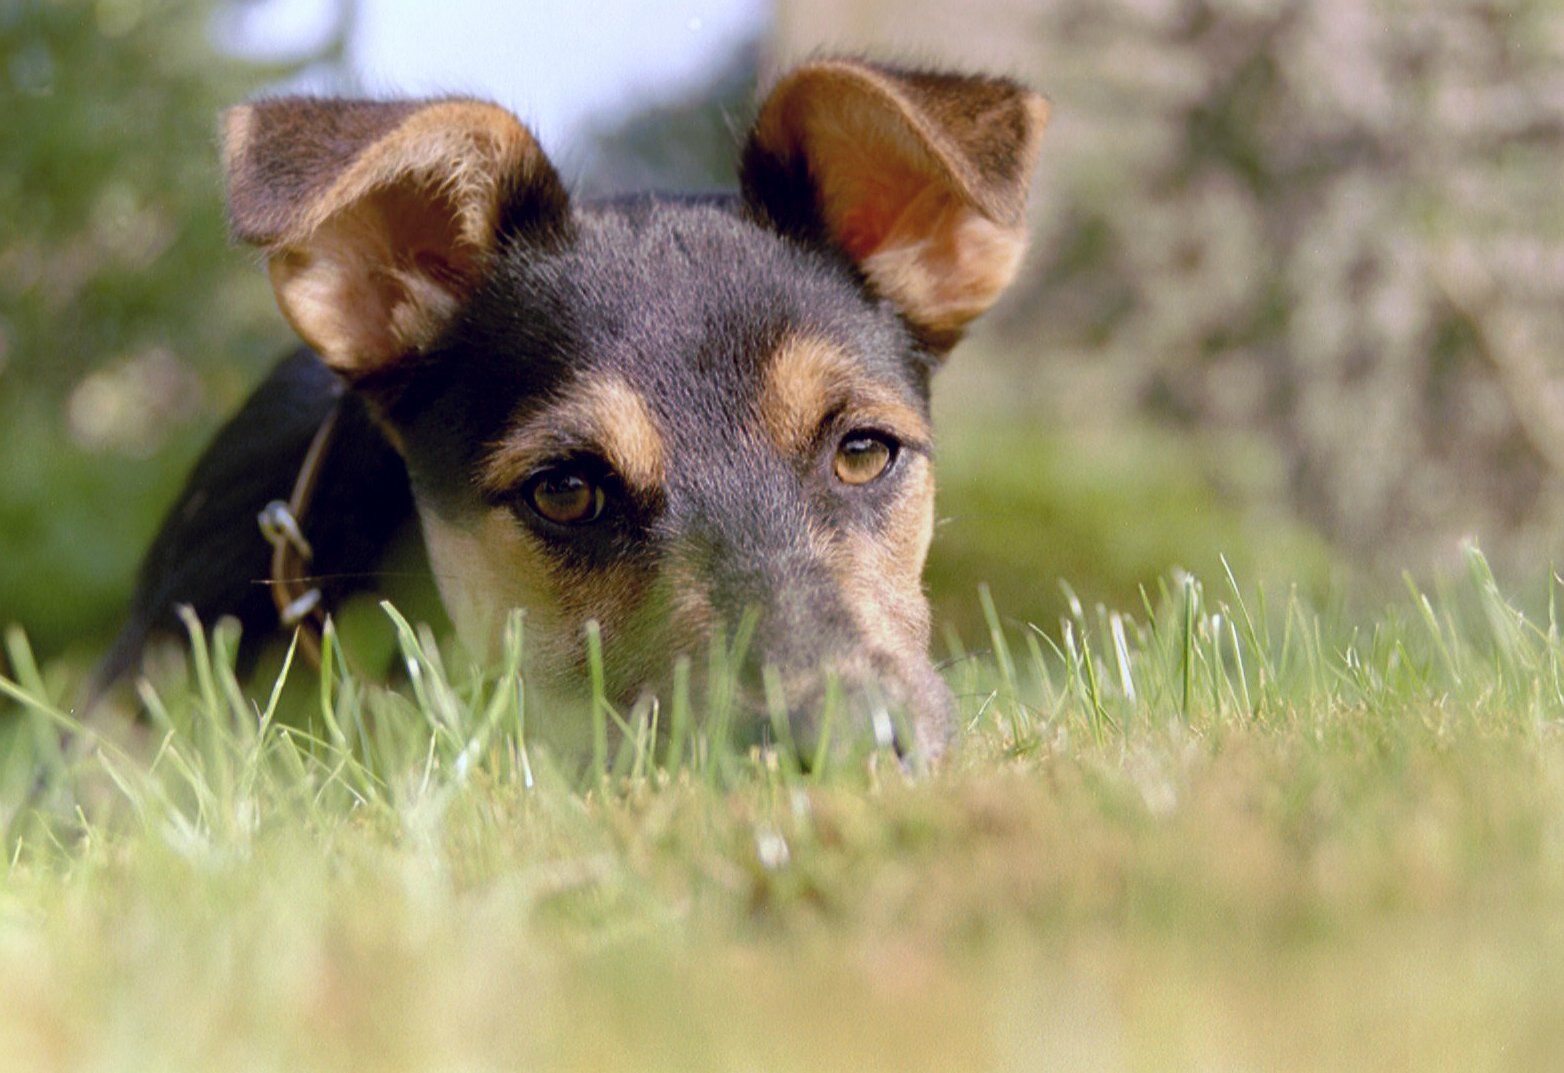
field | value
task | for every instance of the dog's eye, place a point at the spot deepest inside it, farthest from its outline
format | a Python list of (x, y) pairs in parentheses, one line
[(565, 496), (863, 456)]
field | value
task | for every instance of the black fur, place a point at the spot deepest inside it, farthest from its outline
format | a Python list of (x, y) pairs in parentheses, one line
[(209, 553)]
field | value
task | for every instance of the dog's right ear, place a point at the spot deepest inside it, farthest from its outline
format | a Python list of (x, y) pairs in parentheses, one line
[(377, 217)]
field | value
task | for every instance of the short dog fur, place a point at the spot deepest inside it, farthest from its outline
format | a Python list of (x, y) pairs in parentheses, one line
[(658, 413)]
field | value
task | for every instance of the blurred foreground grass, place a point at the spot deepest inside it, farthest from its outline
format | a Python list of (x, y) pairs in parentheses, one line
[(1228, 834)]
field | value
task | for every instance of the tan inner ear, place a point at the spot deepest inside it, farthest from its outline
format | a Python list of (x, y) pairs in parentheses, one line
[(905, 220), (944, 262), (375, 266), (378, 279), (897, 196)]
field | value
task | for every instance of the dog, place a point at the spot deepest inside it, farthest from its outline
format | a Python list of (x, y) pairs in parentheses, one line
[(659, 414)]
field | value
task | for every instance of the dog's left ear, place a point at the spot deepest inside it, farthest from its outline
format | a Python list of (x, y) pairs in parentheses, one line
[(920, 178)]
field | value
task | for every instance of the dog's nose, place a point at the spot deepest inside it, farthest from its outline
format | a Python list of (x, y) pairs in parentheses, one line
[(847, 704)]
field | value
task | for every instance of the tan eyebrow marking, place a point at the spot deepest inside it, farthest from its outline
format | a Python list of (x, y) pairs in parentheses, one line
[(807, 378), (603, 410)]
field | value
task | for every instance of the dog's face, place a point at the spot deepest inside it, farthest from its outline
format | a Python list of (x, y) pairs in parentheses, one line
[(667, 416)]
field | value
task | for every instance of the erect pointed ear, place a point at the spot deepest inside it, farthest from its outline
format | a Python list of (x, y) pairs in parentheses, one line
[(377, 217), (920, 178)]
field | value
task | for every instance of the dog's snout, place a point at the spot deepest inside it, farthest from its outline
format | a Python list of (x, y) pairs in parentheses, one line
[(812, 616), (850, 700)]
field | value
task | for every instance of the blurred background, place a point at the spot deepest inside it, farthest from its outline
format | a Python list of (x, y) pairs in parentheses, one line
[(1296, 294)]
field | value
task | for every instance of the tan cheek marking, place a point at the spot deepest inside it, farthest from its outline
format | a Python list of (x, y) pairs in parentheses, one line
[(486, 570), (692, 617), (882, 576), (610, 597), (604, 410), (807, 378), (483, 572)]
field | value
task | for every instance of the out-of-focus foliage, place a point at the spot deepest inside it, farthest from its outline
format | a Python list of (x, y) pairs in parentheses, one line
[(1330, 226), (127, 325), (1335, 223)]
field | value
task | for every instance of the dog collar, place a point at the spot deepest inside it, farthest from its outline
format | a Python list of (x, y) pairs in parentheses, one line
[(301, 605)]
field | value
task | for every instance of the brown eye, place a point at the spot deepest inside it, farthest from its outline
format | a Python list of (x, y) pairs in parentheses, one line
[(566, 497), (862, 457)]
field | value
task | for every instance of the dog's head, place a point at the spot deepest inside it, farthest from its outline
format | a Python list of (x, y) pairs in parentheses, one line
[(665, 415)]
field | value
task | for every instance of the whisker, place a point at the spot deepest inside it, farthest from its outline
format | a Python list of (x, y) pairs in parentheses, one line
[(367, 575), (951, 661)]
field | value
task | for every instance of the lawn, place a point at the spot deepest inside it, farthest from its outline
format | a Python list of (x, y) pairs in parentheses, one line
[(1218, 831)]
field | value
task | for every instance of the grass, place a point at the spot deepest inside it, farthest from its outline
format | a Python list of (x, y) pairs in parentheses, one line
[(1218, 832)]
